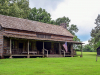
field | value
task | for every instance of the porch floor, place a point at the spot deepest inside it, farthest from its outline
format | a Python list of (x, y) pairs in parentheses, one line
[(25, 55)]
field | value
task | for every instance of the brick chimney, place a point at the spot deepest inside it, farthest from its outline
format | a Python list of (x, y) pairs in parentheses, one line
[(64, 25)]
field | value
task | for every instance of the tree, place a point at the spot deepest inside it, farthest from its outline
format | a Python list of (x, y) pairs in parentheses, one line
[(87, 48), (73, 29), (76, 38), (40, 15), (95, 33), (63, 20), (53, 22), (15, 8), (3, 6), (24, 7)]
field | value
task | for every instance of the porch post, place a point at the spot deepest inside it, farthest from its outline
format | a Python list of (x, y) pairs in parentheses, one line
[(28, 50), (43, 48), (59, 48), (10, 49), (72, 50), (81, 50)]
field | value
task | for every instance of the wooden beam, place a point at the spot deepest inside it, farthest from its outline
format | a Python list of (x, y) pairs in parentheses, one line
[(72, 50), (10, 49), (81, 50), (47, 53), (59, 48), (43, 48), (96, 57), (28, 49), (64, 54)]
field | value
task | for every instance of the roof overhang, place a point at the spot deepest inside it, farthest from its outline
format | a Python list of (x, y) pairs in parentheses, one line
[(36, 38), (75, 42)]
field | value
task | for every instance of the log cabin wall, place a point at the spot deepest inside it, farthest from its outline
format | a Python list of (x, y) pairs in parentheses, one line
[(64, 38), (26, 34), (1, 43), (35, 35), (19, 32), (6, 45)]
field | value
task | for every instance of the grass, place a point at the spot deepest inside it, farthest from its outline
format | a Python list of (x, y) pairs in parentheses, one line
[(85, 65)]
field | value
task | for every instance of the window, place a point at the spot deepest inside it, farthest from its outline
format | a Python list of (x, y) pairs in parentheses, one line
[(40, 36), (43, 36), (48, 36)]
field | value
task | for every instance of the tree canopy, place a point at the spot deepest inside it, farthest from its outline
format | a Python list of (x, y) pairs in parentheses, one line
[(95, 34), (40, 15), (15, 8)]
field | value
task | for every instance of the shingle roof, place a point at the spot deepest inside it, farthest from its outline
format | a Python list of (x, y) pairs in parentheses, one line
[(29, 25)]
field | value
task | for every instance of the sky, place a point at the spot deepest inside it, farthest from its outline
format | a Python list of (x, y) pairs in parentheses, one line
[(81, 13)]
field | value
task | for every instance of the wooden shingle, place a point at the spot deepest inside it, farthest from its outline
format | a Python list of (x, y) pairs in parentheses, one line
[(29, 25)]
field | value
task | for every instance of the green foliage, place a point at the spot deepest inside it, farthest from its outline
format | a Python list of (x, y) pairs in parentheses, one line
[(15, 8), (15, 11), (53, 22), (76, 38), (95, 34), (73, 29), (88, 48), (96, 31), (4, 8), (40, 15), (63, 20), (96, 45)]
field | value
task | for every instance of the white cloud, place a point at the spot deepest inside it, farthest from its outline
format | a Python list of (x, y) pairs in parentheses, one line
[(81, 12), (85, 42)]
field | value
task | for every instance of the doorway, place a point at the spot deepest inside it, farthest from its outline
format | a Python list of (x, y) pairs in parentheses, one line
[(39, 45), (20, 47), (47, 45)]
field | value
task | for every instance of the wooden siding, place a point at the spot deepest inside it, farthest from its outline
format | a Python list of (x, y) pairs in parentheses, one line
[(1, 42), (33, 35), (62, 38), (6, 45), (19, 32)]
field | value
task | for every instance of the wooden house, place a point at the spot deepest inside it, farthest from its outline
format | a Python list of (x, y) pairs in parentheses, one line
[(22, 37)]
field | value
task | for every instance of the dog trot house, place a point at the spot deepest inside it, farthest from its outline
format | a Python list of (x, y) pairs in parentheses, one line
[(22, 37)]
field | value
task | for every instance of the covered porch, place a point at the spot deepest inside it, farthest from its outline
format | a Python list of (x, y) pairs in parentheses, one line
[(18, 47)]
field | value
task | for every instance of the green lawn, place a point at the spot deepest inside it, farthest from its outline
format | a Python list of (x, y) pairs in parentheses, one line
[(85, 65)]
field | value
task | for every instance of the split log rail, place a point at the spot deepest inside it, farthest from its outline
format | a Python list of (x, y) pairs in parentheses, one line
[(45, 50)]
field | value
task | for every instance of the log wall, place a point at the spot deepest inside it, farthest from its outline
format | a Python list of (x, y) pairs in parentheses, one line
[(33, 35), (1, 43)]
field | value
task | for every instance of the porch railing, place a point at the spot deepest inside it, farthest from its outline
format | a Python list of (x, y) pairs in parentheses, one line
[(63, 52), (45, 50)]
